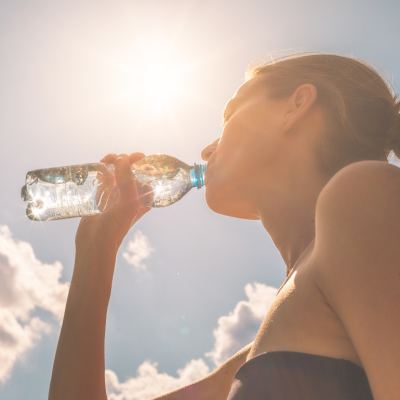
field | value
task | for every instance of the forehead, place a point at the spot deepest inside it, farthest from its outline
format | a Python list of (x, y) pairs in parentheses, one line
[(252, 86)]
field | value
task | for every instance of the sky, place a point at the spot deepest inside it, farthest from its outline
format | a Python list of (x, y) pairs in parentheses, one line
[(81, 79)]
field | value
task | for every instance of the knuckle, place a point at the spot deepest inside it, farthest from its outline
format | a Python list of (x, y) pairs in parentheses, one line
[(134, 157)]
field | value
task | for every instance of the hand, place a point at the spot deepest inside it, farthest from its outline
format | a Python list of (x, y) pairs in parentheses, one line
[(109, 229)]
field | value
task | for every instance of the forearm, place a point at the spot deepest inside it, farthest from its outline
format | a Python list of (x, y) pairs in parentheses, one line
[(78, 371)]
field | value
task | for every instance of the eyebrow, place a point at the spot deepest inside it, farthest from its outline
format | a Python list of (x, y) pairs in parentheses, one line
[(231, 106)]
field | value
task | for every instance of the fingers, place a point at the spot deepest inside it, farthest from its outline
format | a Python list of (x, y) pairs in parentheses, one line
[(114, 158), (109, 158), (135, 157), (121, 157), (126, 183)]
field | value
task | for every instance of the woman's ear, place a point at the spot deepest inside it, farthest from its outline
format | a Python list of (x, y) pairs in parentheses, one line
[(298, 104)]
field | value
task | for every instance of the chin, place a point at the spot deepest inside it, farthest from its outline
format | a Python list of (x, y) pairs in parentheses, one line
[(227, 203)]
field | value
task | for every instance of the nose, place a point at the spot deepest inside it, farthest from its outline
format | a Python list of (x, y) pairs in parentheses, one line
[(208, 150)]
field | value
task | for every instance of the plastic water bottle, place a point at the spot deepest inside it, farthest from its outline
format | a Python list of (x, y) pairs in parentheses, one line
[(89, 189)]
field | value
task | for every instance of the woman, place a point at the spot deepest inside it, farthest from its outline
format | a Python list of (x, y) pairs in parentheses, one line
[(304, 149)]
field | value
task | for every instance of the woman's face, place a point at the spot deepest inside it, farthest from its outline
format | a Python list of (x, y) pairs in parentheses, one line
[(241, 161)]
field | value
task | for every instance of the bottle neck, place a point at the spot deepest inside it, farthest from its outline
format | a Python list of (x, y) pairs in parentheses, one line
[(197, 175)]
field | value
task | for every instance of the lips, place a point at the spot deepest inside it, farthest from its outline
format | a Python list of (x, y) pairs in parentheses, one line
[(211, 157), (206, 175)]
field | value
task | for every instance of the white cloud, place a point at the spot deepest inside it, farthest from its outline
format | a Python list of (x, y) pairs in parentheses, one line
[(234, 332), (138, 250), (240, 327), (150, 383), (25, 283)]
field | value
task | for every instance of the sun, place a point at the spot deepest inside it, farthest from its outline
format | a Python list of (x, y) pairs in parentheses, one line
[(158, 84), (152, 77)]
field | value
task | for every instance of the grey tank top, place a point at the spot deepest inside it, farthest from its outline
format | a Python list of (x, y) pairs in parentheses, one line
[(286, 375)]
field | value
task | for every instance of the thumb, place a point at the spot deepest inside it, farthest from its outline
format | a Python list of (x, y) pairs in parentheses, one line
[(117, 221), (126, 182)]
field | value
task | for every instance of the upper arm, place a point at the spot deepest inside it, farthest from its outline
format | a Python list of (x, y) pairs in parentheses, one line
[(358, 252), (214, 386)]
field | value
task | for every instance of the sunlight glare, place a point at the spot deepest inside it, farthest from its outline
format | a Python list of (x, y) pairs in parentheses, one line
[(159, 188), (152, 77)]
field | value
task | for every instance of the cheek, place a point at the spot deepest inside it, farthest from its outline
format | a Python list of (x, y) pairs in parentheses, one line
[(248, 147), (245, 148), (224, 188)]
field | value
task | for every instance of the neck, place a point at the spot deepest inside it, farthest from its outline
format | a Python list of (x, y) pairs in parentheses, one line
[(289, 214)]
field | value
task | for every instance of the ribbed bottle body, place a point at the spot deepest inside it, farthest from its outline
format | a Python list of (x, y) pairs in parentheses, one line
[(66, 192), (89, 189)]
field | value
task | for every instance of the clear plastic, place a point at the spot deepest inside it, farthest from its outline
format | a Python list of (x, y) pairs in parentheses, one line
[(90, 189)]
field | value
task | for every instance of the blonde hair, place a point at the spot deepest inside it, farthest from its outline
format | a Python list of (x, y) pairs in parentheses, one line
[(361, 109)]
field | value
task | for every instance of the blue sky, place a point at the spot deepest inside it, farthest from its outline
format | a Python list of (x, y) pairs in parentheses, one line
[(71, 92)]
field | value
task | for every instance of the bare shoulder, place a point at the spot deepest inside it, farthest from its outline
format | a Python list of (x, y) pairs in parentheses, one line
[(357, 259), (361, 199), (372, 179), (358, 216)]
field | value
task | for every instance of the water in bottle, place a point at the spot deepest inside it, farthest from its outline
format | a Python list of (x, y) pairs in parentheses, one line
[(89, 189)]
